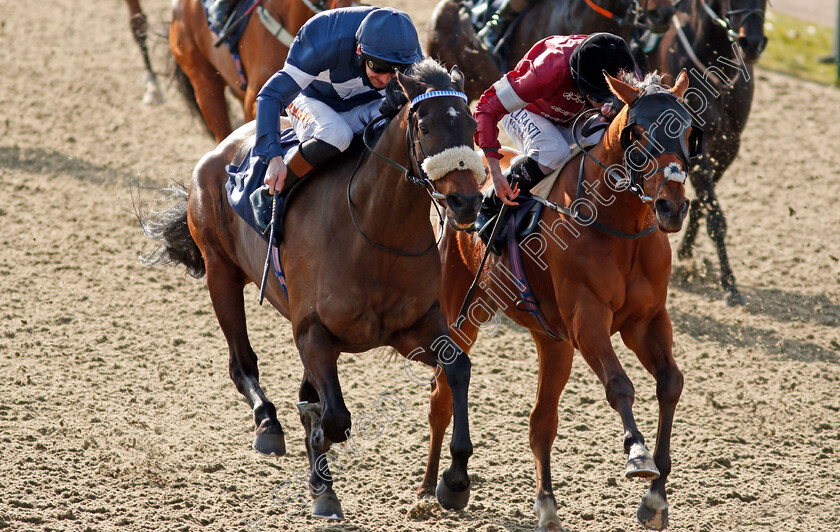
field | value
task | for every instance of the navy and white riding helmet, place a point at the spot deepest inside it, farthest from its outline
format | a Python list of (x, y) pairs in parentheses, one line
[(389, 36)]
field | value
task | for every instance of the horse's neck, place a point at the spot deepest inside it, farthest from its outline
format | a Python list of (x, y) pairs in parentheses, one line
[(708, 39), (626, 211), (390, 210)]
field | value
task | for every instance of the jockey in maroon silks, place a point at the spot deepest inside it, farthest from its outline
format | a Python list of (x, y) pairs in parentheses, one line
[(538, 101)]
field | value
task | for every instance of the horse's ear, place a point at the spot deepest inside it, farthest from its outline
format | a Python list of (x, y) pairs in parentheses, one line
[(457, 78), (681, 84), (411, 87), (625, 92)]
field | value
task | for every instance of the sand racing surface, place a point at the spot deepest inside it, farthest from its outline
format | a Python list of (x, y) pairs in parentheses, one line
[(117, 411)]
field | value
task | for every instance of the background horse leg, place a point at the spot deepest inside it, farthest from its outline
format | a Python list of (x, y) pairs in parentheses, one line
[(206, 84), (652, 343), (555, 365), (686, 249), (139, 29), (716, 227), (440, 413), (591, 333), (325, 503), (225, 283), (436, 347)]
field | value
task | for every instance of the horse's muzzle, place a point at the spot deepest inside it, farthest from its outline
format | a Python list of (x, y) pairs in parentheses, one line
[(752, 46), (670, 217), (463, 208)]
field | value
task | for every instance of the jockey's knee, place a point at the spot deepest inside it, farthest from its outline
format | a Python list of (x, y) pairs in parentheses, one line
[(552, 156), (337, 133)]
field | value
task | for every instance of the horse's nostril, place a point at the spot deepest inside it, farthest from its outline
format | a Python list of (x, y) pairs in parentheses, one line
[(664, 207), (460, 203)]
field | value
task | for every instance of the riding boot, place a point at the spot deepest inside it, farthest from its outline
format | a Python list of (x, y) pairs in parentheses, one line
[(498, 24), (311, 154)]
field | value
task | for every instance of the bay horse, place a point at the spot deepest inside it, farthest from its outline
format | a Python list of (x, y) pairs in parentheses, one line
[(359, 276), (451, 37), (203, 70), (589, 285), (722, 52), (140, 31)]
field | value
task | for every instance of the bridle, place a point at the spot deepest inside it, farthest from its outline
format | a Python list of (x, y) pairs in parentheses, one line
[(461, 158), (632, 16), (653, 99)]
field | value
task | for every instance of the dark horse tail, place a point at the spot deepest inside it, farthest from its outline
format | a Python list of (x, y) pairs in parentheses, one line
[(185, 87), (171, 230)]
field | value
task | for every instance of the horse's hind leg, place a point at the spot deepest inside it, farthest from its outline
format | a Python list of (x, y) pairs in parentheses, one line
[(207, 83), (326, 419), (555, 365), (139, 28), (225, 282), (651, 342), (325, 503)]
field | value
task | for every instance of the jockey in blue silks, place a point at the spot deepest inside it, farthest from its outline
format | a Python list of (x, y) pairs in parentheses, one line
[(331, 86)]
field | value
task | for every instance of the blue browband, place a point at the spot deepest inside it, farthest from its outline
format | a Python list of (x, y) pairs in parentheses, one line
[(434, 94)]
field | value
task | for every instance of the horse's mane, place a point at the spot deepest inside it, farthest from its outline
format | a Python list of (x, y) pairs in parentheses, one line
[(430, 72)]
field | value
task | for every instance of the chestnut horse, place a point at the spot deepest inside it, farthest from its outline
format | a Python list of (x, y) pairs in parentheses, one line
[(359, 276), (721, 106), (140, 30), (204, 70), (452, 38), (589, 285)]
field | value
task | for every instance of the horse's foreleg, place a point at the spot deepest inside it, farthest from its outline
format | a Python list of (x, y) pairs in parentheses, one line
[(429, 342), (591, 326), (686, 249), (555, 365), (224, 282), (652, 343)]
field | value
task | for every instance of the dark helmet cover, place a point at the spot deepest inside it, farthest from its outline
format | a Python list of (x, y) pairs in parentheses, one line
[(599, 52)]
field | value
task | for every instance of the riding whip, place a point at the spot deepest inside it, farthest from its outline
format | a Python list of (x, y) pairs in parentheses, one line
[(474, 286), (270, 243)]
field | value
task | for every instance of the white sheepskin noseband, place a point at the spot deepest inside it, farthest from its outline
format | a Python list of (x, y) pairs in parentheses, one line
[(451, 159)]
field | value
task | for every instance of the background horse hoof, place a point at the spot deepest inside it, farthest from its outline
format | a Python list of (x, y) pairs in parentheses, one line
[(551, 527), (327, 506), (451, 499), (640, 464), (733, 298), (652, 519), (269, 439)]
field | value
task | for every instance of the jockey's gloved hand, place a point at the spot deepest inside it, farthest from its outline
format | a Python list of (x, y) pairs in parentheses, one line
[(394, 99)]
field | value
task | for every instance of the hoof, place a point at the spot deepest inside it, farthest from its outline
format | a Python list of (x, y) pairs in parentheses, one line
[(652, 519), (733, 298), (640, 464), (551, 527), (327, 506), (450, 499), (269, 439)]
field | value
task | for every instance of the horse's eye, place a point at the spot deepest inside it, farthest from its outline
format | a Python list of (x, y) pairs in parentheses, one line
[(424, 129)]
